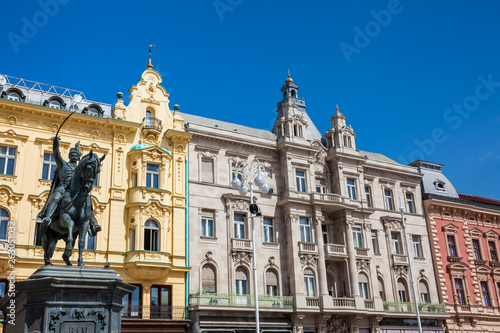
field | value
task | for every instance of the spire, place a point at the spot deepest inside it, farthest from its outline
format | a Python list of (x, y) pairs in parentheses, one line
[(289, 79), (150, 66)]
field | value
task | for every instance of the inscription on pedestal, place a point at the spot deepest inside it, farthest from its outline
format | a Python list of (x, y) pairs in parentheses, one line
[(78, 327)]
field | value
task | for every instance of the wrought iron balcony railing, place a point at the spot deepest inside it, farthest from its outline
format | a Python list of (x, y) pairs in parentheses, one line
[(410, 307), (152, 123), (155, 312), (213, 299)]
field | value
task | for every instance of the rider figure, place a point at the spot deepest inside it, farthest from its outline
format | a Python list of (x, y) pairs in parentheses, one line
[(61, 183)]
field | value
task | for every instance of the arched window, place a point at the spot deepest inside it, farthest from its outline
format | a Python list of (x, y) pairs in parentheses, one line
[(272, 283), (54, 104), (309, 283), (241, 281), (402, 291), (4, 222), (208, 281), (381, 289), (364, 289), (151, 236), (424, 292), (294, 93), (148, 120), (13, 96)]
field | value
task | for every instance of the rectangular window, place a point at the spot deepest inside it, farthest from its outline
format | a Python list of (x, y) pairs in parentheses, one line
[(424, 298), (89, 242), (207, 170), (368, 194), (389, 204), (207, 224), (241, 287), (268, 230), (305, 230), (351, 188), (309, 285), (38, 237), (239, 226), (493, 251), (410, 206), (320, 185), (134, 179), (358, 237), (300, 178), (132, 239), (272, 290), (49, 166), (363, 290), (152, 175), (396, 243), (417, 247), (236, 174), (160, 302), (7, 160), (486, 295), (132, 304), (324, 230), (477, 249), (452, 247), (460, 291), (375, 244)]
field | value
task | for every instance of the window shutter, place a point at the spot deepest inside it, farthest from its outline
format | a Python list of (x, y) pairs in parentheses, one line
[(271, 278), (207, 170), (208, 279), (241, 274)]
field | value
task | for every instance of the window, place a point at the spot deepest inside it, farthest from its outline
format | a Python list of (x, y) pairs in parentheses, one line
[(309, 283), (7, 160), (235, 173), (300, 177), (351, 188), (486, 295), (208, 282), (148, 120), (89, 242), (160, 302), (134, 179), (381, 289), (38, 229), (375, 244), (241, 281), (305, 230), (417, 246), (132, 303), (151, 236), (13, 96), (389, 205), (207, 170), (452, 247), (324, 231), (207, 224), (132, 239), (493, 251), (93, 112), (4, 222), (152, 175), (96, 180), (363, 286), (54, 105), (268, 230), (368, 194), (402, 291), (239, 226), (459, 288), (297, 130), (271, 283), (49, 166), (396, 243), (424, 292), (410, 207), (477, 249), (320, 185), (358, 237)]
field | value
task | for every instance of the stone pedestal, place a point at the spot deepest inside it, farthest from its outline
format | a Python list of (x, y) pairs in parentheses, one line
[(61, 299)]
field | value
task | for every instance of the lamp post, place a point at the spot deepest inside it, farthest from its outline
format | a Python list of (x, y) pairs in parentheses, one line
[(409, 263), (250, 175)]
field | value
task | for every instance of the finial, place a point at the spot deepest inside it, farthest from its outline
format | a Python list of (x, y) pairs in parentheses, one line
[(289, 79), (150, 66), (176, 107), (337, 108), (119, 95)]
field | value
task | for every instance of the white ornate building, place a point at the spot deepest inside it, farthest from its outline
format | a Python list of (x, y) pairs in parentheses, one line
[(330, 250)]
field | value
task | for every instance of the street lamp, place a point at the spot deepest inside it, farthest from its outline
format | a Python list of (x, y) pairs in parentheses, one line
[(250, 175)]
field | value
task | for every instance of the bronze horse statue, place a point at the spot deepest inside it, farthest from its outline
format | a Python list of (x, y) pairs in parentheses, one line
[(72, 218)]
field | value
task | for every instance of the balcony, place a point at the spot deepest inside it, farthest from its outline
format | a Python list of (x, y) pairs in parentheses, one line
[(369, 305), (305, 247), (400, 259), (234, 300), (155, 312), (335, 251), (410, 307), (312, 301), (241, 244), (362, 252), (343, 302), (152, 123), (330, 197)]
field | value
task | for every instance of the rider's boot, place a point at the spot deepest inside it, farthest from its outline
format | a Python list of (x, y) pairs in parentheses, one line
[(46, 221), (94, 228)]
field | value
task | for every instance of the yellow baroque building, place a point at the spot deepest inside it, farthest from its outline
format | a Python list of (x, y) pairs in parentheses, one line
[(139, 199)]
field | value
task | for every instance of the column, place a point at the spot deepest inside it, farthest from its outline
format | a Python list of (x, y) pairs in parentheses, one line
[(326, 300), (351, 257)]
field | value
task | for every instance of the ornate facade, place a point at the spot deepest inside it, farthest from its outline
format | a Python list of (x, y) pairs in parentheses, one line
[(330, 249), (139, 199), (465, 242)]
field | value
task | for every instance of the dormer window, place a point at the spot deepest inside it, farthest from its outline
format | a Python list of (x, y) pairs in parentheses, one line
[(13, 96), (93, 112), (55, 105), (439, 185), (55, 102), (297, 130)]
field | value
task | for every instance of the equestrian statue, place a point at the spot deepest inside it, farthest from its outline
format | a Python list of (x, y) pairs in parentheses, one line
[(68, 213)]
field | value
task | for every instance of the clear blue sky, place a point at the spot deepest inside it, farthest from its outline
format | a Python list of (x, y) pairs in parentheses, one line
[(395, 70)]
